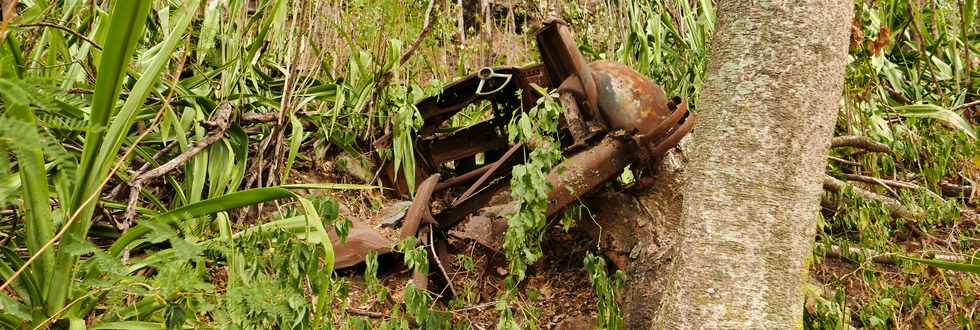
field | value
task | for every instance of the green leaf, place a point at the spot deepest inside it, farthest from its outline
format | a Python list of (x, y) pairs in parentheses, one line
[(219, 204), (202, 208), (125, 29), (295, 139), (209, 29), (26, 285), (337, 186), (11, 306), (33, 175), (936, 112), (123, 122), (129, 325)]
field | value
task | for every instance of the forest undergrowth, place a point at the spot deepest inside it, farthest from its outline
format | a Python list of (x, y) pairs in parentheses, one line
[(188, 164)]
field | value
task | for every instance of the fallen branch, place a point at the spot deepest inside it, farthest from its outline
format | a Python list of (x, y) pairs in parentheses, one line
[(268, 117), (835, 251), (894, 207), (117, 190), (219, 124), (965, 105), (860, 142), (844, 161), (888, 183), (955, 190), (362, 312), (884, 182)]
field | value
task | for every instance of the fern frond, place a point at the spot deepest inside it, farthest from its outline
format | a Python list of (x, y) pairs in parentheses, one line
[(58, 121), (18, 134)]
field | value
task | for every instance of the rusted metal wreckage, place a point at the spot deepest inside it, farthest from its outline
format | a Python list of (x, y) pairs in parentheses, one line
[(612, 117)]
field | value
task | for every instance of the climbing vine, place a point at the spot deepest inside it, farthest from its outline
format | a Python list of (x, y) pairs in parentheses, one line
[(536, 128)]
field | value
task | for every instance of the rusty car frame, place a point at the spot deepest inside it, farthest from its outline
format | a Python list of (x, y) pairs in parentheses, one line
[(612, 117)]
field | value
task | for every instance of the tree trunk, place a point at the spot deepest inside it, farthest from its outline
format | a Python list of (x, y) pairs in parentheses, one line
[(752, 187)]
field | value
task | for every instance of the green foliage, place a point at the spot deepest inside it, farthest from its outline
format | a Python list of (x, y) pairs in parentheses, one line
[(973, 267), (666, 40), (371, 277), (823, 313), (70, 119), (269, 281), (78, 120), (610, 316), (416, 258), (906, 81), (418, 301), (537, 128), (407, 120)]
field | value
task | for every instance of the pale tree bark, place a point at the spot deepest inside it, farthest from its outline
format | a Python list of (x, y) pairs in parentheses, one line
[(752, 184)]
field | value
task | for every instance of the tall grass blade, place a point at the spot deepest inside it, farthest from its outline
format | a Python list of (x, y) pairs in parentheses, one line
[(123, 121), (30, 162), (125, 29), (219, 204), (33, 175), (936, 112)]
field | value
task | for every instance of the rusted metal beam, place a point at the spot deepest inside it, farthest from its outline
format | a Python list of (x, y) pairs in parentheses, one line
[(586, 171), (505, 161), (466, 142), (420, 208)]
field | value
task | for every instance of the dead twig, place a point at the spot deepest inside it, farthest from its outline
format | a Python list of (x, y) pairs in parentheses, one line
[(860, 142), (844, 161), (267, 117), (362, 312), (219, 124), (426, 29), (13, 226), (474, 307), (883, 182), (65, 29), (893, 206), (965, 105), (438, 249), (117, 190)]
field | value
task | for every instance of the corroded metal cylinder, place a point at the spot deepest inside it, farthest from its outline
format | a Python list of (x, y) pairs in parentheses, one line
[(627, 99)]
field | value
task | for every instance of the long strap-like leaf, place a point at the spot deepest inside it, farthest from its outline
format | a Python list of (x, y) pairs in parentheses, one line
[(223, 203), (126, 24), (33, 175), (123, 122)]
